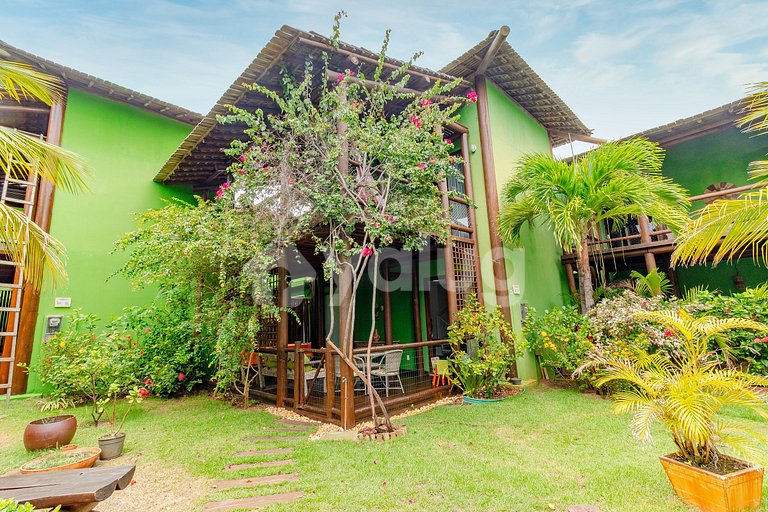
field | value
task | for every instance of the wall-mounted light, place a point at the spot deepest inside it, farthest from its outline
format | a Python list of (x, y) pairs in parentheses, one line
[(472, 148)]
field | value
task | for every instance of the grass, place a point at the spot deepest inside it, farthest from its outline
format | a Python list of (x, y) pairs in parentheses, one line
[(542, 451)]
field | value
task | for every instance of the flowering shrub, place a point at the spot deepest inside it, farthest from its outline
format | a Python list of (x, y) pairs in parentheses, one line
[(560, 337), (171, 357), (80, 364), (484, 374)]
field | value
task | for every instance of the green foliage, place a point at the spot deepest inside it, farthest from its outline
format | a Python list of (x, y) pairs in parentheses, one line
[(560, 337), (12, 506), (651, 284), (172, 357), (82, 364), (686, 393), (484, 374)]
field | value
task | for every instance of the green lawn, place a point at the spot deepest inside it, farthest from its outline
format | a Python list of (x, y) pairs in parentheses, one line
[(542, 451)]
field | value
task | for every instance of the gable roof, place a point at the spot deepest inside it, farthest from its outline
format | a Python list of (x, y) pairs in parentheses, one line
[(199, 158), (80, 80), (515, 77)]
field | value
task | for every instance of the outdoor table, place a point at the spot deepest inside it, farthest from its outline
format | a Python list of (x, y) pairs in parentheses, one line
[(76, 490)]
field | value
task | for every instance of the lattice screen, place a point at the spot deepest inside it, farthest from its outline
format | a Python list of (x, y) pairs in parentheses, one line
[(464, 270)]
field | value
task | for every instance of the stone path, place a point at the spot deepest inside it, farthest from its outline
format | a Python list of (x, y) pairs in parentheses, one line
[(301, 431)]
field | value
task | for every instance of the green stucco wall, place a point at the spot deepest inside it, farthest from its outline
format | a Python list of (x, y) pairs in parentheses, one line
[(125, 146), (698, 163), (535, 267)]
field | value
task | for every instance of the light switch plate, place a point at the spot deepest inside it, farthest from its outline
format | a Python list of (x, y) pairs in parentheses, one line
[(62, 302), (516, 289)]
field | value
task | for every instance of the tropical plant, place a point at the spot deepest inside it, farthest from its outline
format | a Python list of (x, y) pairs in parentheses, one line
[(23, 157), (729, 228), (685, 393), (484, 373), (651, 284), (614, 182), (560, 337), (134, 395), (12, 506)]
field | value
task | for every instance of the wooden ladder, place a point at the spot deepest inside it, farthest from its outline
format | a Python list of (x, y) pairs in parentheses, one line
[(19, 194)]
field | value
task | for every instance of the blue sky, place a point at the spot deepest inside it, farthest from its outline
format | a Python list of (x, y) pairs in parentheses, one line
[(622, 66)]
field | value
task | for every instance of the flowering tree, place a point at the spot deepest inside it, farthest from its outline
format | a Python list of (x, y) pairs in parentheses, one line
[(343, 164)]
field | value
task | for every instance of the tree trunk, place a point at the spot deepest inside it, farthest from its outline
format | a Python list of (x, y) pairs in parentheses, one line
[(586, 292)]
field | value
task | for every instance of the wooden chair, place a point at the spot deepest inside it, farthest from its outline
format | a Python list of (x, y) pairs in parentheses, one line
[(76, 490)]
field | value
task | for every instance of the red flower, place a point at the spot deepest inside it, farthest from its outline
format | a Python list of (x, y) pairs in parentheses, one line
[(225, 186), (147, 329), (727, 311), (448, 141), (147, 382), (425, 102), (242, 158), (367, 251), (265, 168), (645, 303), (415, 120), (578, 328), (472, 96), (182, 377), (241, 171), (668, 333), (144, 393)]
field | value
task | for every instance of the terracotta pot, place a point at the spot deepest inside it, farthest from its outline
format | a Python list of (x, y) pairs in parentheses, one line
[(111, 447), (90, 456), (739, 491), (47, 433)]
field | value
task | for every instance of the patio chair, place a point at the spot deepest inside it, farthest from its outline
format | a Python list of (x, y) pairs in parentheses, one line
[(390, 369)]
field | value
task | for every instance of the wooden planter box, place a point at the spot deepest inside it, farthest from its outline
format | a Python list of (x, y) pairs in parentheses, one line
[(739, 491)]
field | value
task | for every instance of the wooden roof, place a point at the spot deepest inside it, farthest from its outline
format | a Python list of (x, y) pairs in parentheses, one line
[(80, 80), (705, 123), (516, 78), (199, 159)]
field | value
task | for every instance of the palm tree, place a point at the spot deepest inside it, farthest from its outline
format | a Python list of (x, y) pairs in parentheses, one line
[(727, 228), (616, 181), (687, 392), (24, 157)]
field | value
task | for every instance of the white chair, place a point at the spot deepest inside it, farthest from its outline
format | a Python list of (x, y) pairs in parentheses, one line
[(390, 369)]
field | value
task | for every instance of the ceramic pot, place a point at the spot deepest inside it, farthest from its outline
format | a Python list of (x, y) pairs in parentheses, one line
[(47, 433)]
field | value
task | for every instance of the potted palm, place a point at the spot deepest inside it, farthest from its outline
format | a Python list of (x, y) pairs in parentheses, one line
[(112, 444), (685, 394)]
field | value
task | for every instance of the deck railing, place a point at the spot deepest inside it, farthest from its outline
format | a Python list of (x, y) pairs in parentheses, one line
[(314, 383)]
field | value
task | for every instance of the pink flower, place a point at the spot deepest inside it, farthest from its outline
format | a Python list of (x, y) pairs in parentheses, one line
[(421, 165), (182, 377), (425, 102), (147, 382), (340, 77), (225, 186), (219, 194), (384, 484), (668, 333), (367, 251), (453, 159), (242, 158), (448, 141), (144, 393), (147, 329), (351, 73), (415, 120), (433, 160), (472, 96)]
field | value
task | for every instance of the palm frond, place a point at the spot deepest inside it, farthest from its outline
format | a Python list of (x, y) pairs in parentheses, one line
[(21, 81), (36, 250), (756, 119), (22, 156)]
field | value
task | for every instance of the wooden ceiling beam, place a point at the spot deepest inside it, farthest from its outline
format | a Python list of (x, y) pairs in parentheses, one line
[(493, 48)]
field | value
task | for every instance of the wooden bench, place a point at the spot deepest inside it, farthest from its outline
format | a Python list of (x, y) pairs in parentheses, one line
[(76, 490)]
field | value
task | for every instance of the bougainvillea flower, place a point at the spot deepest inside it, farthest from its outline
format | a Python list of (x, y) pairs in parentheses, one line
[(421, 165), (425, 102), (225, 186), (448, 141), (472, 96), (415, 120), (367, 251)]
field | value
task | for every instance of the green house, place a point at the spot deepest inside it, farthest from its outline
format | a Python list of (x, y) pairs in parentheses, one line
[(143, 150)]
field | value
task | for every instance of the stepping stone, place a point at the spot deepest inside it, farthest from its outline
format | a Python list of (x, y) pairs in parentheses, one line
[(253, 503), (273, 451), (274, 438), (254, 481), (251, 465), (296, 423)]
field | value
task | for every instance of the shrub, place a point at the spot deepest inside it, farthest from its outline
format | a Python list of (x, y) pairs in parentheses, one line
[(745, 349), (80, 364), (172, 356), (481, 375), (12, 506), (560, 337)]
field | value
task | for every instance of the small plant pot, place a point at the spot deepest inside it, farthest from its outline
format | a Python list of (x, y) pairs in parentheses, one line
[(84, 458), (47, 433), (111, 447), (516, 381), (739, 491)]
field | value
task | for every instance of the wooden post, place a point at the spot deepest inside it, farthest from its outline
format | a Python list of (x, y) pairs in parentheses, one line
[(469, 190), (298, 376), (330, 381), (492, 201), (571, 280), (282, 335), (387, 303), (416, 311), (645, 238), (450, 273), (345, 338), (30, 299)]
